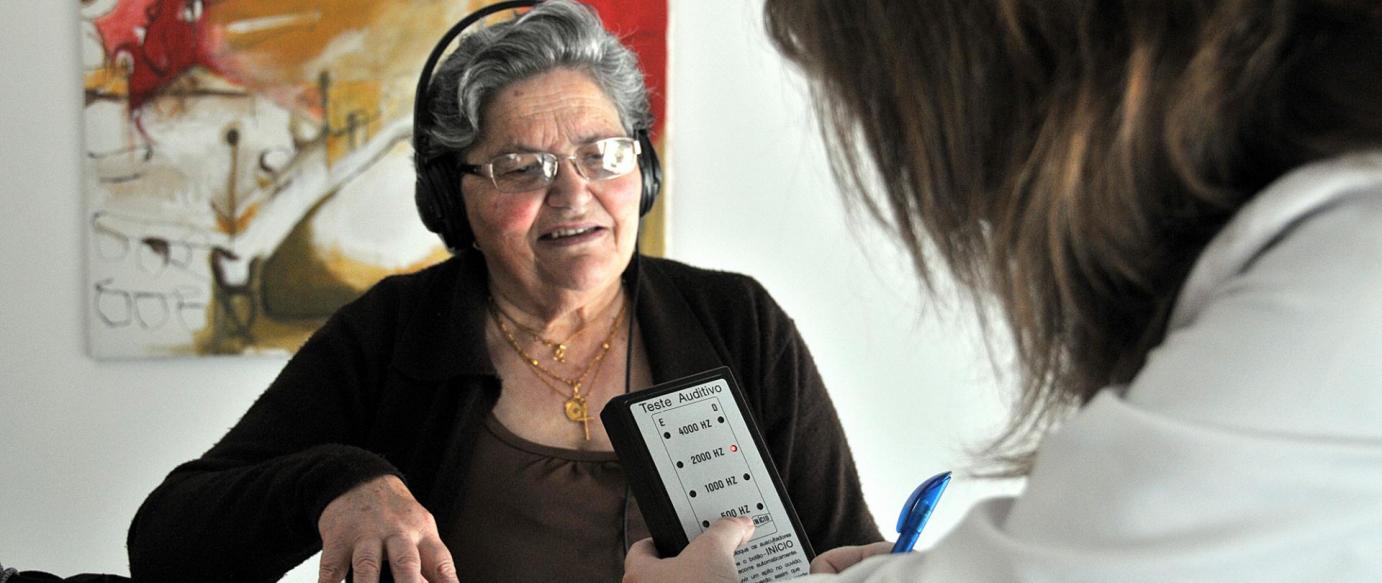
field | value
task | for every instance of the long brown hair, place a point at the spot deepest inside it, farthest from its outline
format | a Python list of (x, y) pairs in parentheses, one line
[(1070, 159)]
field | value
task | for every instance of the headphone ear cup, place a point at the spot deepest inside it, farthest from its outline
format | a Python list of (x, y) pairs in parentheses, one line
[(425, 199), (651, 170), (439, 204), (458, 233)]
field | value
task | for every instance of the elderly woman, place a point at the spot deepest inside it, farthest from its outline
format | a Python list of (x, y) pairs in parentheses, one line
[(1178, 204), (441, 424)]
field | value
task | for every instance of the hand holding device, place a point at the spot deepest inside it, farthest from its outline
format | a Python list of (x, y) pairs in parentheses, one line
[(914, 515), (708, 559), (838, 559), (693, 456)]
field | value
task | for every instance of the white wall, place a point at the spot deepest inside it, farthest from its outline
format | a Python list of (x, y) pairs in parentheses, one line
[(81, 442)]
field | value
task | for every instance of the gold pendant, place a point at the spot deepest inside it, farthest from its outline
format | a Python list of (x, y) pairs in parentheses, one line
[(576, 412), (559, 353), (576, 409)]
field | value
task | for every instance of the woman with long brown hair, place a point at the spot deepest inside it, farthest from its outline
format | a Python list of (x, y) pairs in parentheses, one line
[(1178, 206)]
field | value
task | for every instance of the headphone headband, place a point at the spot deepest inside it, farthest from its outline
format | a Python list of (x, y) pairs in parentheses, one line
[(424, 80)]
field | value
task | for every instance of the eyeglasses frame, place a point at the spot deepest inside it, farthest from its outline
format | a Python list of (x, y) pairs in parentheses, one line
[(487, 169)]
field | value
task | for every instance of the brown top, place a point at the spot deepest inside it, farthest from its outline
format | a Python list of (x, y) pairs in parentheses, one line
[(532, 512)]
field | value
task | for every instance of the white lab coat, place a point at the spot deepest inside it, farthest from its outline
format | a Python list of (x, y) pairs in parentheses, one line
[(1249, 448)]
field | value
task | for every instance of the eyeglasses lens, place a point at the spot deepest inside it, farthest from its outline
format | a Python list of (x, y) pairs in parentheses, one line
[(606, 159), (596, 161), (523, 172)]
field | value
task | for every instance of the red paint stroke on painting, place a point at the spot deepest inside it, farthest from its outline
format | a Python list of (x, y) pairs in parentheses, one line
[(644, 29), (163, 39)]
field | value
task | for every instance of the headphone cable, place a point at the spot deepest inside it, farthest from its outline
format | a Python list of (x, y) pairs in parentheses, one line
[(628, 362)]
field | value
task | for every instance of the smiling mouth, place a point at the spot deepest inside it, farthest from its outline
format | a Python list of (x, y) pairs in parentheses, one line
[(560, 234)]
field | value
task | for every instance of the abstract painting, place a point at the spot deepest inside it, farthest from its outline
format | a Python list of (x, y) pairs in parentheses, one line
[(247, 164)]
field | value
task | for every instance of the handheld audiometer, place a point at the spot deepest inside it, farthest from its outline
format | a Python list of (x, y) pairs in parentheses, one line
[(693, 454)]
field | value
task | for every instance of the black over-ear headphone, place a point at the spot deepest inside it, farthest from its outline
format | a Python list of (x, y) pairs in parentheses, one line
[(438, 193)]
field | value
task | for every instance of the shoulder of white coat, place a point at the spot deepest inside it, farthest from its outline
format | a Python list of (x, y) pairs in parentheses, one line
[(1279, 328), (1291, 199)]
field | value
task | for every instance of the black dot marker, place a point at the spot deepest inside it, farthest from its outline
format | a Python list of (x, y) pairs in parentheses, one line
[(705, 523), (666, 435), (722, 419), (680, 465), (760, 505), (747, 477), (693, 493)]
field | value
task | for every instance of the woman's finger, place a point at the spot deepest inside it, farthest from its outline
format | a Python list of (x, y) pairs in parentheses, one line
[(643, 549), (641, 559), (723, 537), (366, 561), (404, 561), (335, 563), (437, 564)]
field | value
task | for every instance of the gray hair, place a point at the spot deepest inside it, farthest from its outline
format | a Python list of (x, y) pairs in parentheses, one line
[(557, 34)]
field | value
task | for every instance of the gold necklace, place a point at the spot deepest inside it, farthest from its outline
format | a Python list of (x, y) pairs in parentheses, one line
[(558, 347), (574, 383), (575, 406)]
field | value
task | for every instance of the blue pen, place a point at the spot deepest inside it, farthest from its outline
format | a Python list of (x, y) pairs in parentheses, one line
[(917, 510)]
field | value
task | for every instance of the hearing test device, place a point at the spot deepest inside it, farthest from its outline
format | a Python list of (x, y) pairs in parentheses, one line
[(693, 454)]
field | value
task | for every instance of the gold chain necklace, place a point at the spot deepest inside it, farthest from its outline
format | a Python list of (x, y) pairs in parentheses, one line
[(558, 347), (575, 406)]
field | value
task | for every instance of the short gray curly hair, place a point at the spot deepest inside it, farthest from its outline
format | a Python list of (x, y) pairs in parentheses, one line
[(553, 35)]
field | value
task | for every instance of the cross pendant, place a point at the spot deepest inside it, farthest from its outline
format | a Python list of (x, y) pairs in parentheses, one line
[(577, 411)]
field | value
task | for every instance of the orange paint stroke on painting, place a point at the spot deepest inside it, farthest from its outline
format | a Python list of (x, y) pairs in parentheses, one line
[(282, 48), (230, 223)]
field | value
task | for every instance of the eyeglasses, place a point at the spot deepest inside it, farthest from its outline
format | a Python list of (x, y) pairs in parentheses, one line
[(529, 171)]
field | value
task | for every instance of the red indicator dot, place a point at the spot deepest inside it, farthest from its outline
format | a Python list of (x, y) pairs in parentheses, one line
[(733, 448)]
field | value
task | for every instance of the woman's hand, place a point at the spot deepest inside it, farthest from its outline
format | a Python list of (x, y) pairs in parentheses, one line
[(708, 559), (841, 558), (376, 522)]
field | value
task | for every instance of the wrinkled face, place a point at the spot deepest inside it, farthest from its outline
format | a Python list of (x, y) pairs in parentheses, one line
[(575, 235)]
